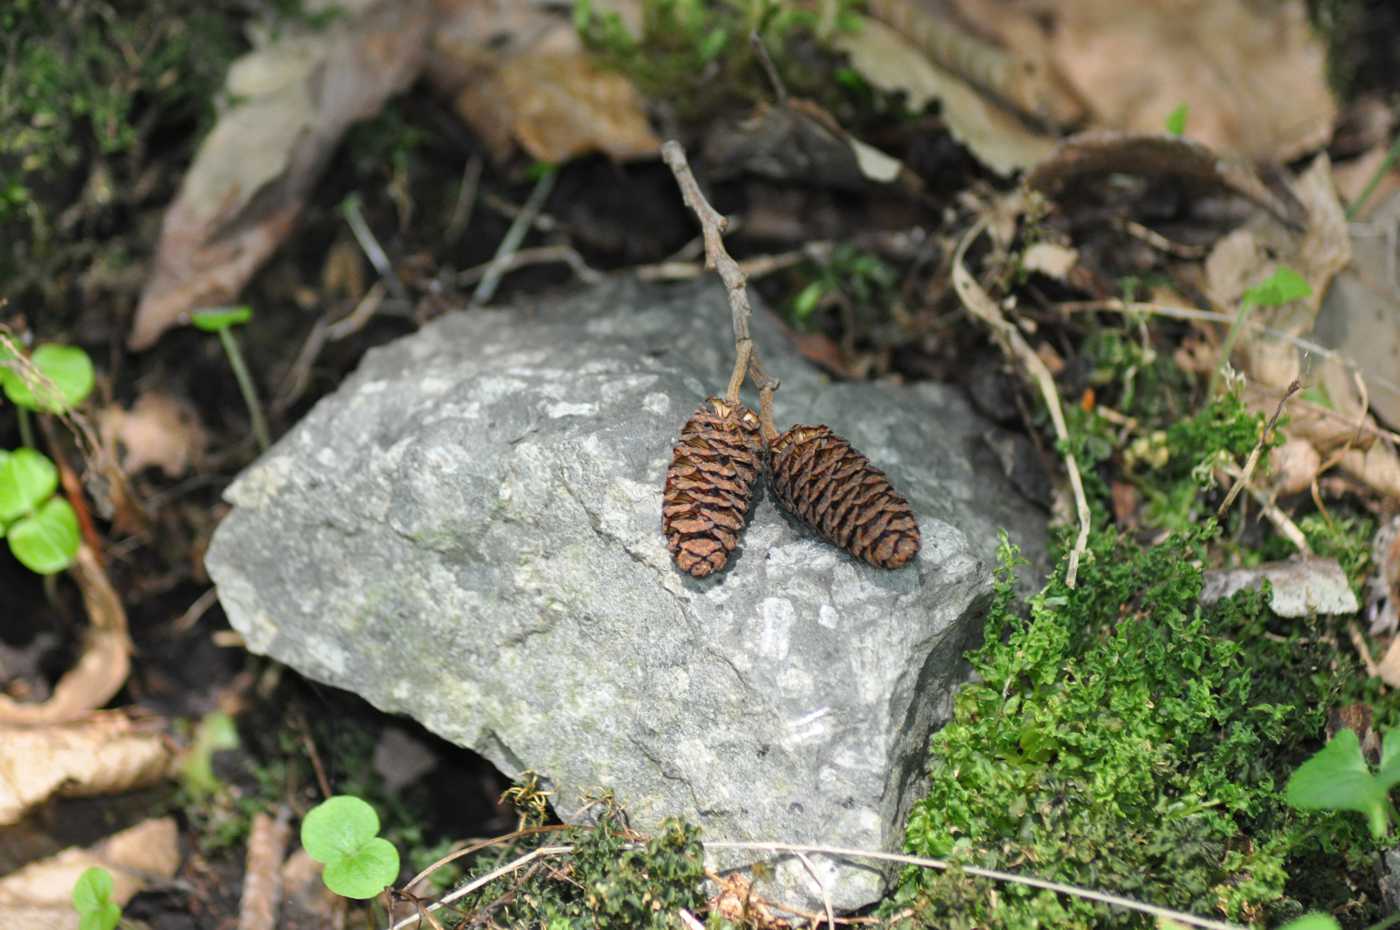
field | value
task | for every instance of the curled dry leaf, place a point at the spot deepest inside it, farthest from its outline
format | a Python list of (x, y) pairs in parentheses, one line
[(519, 74), (105, 754), (101, 670), (998, 137), (295, 96), (160, 430), (1293, 466), (1359, 317), (262, 873), (41, 894), (1100, 152), (1254, 74)]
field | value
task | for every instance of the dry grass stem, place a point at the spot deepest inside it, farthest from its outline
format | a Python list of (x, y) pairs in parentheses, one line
[(510, 243), (1253, 461), (981, 305)]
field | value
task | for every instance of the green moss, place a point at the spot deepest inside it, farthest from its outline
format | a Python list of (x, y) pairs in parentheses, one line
[(606, 882), (1124, 738)]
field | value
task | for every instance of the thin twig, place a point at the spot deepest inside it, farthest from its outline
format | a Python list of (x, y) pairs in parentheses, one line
[(1359, 643), (1088, 894), (713, 225), (466, 199), (761, 51), (1281, 521), (458, 893), (1253, 461), (980, 304), (515, 235), (540, 255), (350, 209), (821, 889)]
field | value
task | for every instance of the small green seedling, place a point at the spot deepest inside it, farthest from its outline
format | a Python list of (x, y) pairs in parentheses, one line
[(221, 320), (343, 833), (42, 528), (1281, 287), (92, 899), (1176, 120), (216, 732), (1338, 779)]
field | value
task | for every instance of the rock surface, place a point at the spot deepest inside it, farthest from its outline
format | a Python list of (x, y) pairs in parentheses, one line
[(468, 532)]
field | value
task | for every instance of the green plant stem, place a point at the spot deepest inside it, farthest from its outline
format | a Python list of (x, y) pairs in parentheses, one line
[(245, 384), (1386, 164), (26, 428)]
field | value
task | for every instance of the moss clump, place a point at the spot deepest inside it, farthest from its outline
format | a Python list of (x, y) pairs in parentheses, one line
[(1124, 738), (607, 882)]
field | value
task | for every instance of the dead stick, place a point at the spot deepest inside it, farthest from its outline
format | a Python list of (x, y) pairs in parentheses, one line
[(712, 226), (1253, 461)]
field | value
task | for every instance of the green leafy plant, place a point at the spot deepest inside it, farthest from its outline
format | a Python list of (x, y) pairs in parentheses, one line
[(41, 528), (342, 832), (216, 732), (222, 320), (862, 277), (1337, 778), (611, 880), (1121, 736), (92, 899)]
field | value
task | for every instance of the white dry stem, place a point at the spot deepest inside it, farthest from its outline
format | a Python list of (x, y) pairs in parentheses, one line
[(981, 305)]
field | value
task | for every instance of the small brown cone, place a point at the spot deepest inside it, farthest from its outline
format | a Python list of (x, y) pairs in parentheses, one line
[(709, 484), (834, 489)]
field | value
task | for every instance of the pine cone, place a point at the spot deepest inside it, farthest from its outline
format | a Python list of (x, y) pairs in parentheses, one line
[(709, 485), (834, 489)]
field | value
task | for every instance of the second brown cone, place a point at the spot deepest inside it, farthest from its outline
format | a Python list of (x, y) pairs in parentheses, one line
[(834, 489)]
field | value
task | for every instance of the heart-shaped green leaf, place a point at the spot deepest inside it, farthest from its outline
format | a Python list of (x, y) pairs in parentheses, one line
[(342, 833), (1337, 778), (68, 371), (46, 541), (1279, 288), (27, 479), (92, 899)]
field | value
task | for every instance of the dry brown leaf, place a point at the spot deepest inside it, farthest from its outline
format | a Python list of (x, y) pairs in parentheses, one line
[(250, 178), (159, 430), (1359, 317), (1383, 588), (41, 894), (995, 135), (1293, 466), (101, 670), (1050, 259), (1353, 176), (105, 754), (1389, 666), (519, 74), (1252, 71)]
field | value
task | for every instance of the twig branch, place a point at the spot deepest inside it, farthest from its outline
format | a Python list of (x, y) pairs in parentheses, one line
[(980, 304), (713, 225), (1088, 894), (1253, 460), (514, 236)]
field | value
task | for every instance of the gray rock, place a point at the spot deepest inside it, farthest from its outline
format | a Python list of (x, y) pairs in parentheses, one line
[(1300, 587), (468, 532)]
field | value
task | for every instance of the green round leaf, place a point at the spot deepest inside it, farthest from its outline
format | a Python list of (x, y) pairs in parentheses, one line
[(91, 889), (106, 917), (337, 827), (216, 318), (372, 868), (46, 541), (68, 367), (27, 479)]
